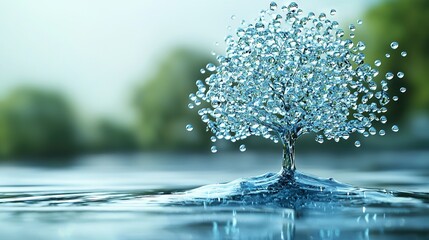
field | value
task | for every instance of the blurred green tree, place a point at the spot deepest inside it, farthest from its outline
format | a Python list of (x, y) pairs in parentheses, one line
[(110, 136), (161, 103), (407, 22), (36, 123)]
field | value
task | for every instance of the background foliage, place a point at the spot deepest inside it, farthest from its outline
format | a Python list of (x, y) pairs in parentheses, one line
[(36, 122)]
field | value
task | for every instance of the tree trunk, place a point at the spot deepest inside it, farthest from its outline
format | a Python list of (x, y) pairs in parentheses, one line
[(288, 153)]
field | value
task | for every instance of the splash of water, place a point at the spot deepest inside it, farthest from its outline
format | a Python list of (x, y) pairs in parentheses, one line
[(286, 189), (289, 74)]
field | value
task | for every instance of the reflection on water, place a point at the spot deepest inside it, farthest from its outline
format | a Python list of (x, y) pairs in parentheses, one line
[(150, 197)]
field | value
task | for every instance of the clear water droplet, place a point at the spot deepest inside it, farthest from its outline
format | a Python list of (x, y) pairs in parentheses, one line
[(242, 148), (395, 98), (322, 17), (389, 76), (403, 89), (387, 55), (359, 22), (394, 45), (211, 67), (377, 63), (240, 32), (361, 46), (357, 144), (189, 127), (273, 6), (202, 71), (382, 132), (233, 17), (384, 100), (293, 6), (213, 139), (213, 149), (395, 128), (400, 74), (404, 54), (190, 106), (333, 12), (192, 97), (259, 27)]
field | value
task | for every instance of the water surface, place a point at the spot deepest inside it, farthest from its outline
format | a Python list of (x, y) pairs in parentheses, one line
[(150, 196)]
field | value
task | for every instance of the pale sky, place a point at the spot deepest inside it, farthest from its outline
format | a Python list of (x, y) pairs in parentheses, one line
[(97, 51)]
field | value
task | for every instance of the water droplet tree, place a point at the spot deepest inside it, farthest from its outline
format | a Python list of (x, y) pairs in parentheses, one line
[(290, 74)]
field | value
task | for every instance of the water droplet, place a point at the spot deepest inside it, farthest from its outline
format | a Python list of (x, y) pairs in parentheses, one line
[(359, 22), (400, 74), (213, 139), (189, 127), (404, 54), (202, 71), (273, 6), (242, 148), (395, 98), (233, 17), (357, 143), (333, 12), (384, 100), (403, 89), (352, 27), (394, 45), (213, 149), (395, 128), (377, 63), (361, 46), (192, 97), (293, 7), (387, 55), (382, 132), (259, 26), (240, 32), (190, 106), (389, 76), (339, 33), (211, 67), (383, 119)]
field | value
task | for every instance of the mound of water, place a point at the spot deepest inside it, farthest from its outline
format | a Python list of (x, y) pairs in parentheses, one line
[(286, 189)]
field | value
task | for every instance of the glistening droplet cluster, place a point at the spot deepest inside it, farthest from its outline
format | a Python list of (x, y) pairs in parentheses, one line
[(290, 73)]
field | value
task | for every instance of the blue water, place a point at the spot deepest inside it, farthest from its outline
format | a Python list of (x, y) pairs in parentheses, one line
[(159, 196)]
